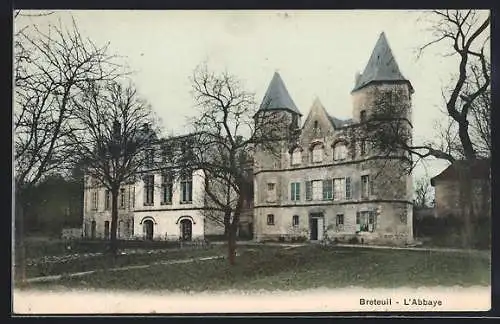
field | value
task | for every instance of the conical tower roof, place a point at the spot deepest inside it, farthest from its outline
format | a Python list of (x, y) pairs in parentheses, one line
[(277, 97), (381, 66)]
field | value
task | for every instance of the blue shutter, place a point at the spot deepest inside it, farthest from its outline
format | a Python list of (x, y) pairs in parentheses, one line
[(308, 190)]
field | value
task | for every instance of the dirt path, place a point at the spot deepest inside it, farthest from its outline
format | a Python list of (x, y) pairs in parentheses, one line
[(142, 266)]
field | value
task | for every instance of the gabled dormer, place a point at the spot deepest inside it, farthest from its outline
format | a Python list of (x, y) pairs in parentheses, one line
[(317, 124)]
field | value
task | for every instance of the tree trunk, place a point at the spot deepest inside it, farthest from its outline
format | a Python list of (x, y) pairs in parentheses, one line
[(233, 228), (114, 221), (231, 244), (465, 198), (19, 247)]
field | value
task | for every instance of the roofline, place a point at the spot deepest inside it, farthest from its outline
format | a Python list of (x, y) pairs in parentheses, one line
[(278, 109), (412, 90)]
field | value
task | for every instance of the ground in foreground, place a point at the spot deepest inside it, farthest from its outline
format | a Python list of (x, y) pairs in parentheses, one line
[(299, 268)]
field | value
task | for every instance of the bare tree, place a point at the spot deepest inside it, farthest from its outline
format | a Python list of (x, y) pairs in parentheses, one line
[(115, 137), (466, 104), (422, 192), (50, 69), (228, 130)]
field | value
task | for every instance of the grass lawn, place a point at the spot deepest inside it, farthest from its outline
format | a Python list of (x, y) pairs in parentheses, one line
[(108, 261), (299, 268)]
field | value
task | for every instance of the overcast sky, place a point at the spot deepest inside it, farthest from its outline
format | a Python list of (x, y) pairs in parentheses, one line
[(317, 53)]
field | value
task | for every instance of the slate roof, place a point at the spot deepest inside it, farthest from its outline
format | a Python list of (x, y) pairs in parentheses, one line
[(480, 170), (381, 66), (338, 123), (277, 97)]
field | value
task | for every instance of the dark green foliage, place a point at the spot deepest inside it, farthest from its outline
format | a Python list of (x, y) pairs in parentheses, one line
[(446, 231)]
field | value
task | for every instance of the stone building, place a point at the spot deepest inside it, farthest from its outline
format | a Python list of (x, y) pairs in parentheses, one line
[(447, 189), (166, 201), (327, 184)]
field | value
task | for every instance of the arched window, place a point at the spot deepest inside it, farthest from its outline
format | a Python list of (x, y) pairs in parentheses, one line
[(339, 151), (317, 153), (296, 156)]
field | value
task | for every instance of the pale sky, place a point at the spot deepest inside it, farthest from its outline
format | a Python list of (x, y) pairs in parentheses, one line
[(317, 53)]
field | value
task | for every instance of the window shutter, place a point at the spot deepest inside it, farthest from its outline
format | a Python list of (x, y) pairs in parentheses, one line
[(308, 190), (325, 189), (372, 188), (348, 188), (358, 225)]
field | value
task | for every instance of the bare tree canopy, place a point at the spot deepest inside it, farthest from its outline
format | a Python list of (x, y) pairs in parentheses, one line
[(228, 128), (51, 68), (423, 192), (114, 132), (466, 132)]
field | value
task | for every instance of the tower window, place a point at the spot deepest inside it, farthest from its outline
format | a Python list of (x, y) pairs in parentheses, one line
[(316, 124), (295, 121), (362, 115)]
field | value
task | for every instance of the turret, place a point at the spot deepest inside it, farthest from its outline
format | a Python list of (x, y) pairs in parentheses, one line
[(277, 105), (380, 77)]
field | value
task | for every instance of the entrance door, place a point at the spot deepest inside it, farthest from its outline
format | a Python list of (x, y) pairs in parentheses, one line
[(317, 230), (93, 229), (148, 229), (106, 229), (314, 229), (186, 229)]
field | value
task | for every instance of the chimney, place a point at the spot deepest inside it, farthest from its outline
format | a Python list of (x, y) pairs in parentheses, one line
[(356, 78)]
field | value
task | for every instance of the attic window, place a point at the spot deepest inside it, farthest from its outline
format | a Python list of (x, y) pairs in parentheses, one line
[(316, 124)]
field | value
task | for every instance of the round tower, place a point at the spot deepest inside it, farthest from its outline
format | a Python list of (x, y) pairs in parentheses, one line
[(382, 88)]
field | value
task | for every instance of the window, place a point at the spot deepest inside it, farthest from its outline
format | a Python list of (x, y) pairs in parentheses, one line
[(149, 189), (362, 147), (317, 191), (317, 153), (295, 121), (133, 196), (295, 220), (362, 115), (187, 188), (122, 198), (348, 194), (339, 222), (327, 189), (295, 191), (107, 200), (365, 185), (339, 152), (296, 156), (339, 188), (166, 188), (365, 221), (94, 200), (149, 157), (308, 190), (271, 192), (270, 219), (316, 126), (166, 153)]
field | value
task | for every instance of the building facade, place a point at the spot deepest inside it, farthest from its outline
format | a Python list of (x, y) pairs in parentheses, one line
[(326, 183), (164, 202), (447, 189)]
